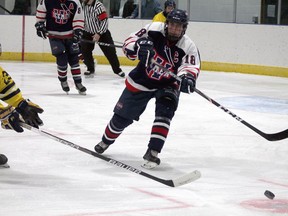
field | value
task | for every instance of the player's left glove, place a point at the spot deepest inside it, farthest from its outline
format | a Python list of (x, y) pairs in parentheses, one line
[(29, 111), (187, 84), (144, 49), (77, 35), (41, 30), (10, 119)]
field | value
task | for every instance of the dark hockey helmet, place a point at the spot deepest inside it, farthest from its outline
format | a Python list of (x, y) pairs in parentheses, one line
[(169, 3), (177, 16)]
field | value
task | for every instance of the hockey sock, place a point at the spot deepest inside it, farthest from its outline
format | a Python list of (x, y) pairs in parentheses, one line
[(159, 133), (62, 73), (114, 128), (76, 73)]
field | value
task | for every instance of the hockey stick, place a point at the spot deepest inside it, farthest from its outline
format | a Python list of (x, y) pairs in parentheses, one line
[(5, 9), (271, 137), (101, 43), (185, 179)]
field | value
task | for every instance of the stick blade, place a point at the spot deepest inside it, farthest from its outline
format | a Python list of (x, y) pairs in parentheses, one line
[(185, 179), (277, 136)]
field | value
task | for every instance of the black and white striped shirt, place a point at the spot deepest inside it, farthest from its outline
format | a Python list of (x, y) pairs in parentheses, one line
[(95, 18)]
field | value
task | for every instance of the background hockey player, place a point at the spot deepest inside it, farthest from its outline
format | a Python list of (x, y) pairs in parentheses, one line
[(17, 109), (62, 22), (168, 45), (169, 5)]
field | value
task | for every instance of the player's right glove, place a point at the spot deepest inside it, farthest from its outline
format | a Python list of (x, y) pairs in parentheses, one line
[(144, 49), (77, 35), (41, 30), (187, 84), (10, 119), (29, 111)]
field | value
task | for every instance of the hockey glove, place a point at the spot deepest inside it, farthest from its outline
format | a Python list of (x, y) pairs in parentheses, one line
[(41, 30), (187, 84), (77, 35), (29, 111), (10, 119), (144, 50)]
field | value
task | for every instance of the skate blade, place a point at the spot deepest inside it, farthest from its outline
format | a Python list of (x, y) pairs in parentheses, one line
[(89, 76), (82, 93), (149, 165)]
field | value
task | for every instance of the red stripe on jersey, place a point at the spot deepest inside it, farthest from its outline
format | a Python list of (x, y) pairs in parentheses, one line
[(191, 71), (78, 21), (38, 11), (103, 16), (160, 130), (40, 18), (130, 87), (110, 134), (128, 41), (78, 27), (61, 36)]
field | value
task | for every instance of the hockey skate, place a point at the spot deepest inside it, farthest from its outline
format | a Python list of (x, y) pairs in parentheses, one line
[(81, 89), (65, 86), (89, 74), (3, 161), (150, 159), (101, 147), (121, 74)]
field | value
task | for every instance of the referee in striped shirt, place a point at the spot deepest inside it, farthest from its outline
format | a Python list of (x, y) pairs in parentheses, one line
[(96, 29)]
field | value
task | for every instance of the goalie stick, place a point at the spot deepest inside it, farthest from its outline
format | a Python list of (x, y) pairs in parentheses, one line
[(185, 179), (271, 137), (101, 43)]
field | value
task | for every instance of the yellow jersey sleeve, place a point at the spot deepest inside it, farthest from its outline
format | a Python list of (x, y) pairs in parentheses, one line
[(9, 92), (159, 17)]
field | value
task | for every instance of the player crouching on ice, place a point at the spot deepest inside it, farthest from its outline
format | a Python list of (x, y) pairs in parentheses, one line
[(18, 109), (167, 44)]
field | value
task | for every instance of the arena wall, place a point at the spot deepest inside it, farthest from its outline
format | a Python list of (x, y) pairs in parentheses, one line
[(245, 48)]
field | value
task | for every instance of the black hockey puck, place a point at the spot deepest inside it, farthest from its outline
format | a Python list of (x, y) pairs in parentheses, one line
[(269, 194), (3, 159)]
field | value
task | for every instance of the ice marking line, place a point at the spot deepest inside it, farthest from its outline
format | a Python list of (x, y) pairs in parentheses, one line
[(274, 183), (122, 212), (179, 205), (185, 205), (275, 206)]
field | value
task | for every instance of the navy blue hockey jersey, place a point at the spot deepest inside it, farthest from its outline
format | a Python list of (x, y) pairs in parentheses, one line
[(180, 58), (61, 17)]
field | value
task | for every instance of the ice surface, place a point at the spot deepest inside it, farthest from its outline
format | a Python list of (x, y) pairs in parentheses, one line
[(237, 165)]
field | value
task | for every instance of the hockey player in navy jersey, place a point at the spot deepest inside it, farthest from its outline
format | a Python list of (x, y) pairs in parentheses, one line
[(62, 22), (167, 44)]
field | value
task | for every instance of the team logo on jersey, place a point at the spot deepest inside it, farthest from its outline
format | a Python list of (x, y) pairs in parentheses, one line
[(154, 72), (61, 16)]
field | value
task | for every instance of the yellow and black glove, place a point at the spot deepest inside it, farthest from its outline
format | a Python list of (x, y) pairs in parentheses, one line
[(10, 119), (29, 111)]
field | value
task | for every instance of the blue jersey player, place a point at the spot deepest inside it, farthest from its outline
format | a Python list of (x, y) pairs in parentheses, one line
[(167, 44), (62, 21)]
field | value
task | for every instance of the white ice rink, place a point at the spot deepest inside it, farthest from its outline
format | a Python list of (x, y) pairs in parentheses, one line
[(48, 178)]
